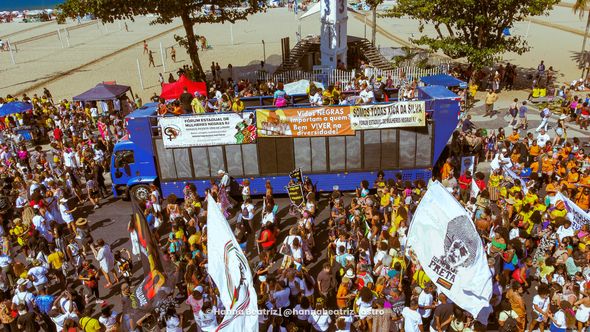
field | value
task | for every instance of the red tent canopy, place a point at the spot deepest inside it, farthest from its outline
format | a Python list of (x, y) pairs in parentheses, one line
[(174, 90)]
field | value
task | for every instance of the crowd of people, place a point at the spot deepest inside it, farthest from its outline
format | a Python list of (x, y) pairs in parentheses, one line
[(341, 252), (51, 264)]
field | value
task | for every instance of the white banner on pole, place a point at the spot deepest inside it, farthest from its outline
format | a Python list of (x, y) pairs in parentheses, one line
[(474, 189), (517, 179), (229, 269), (207, 130), (575, 214), (467, 164), (394, 115), (445, 242)]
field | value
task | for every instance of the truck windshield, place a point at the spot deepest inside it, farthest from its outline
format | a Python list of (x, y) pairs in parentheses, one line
[(124, 157)]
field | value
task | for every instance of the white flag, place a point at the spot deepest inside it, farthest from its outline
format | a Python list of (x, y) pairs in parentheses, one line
[(474, 189), (575, 214), (445, 242), (229, 269)]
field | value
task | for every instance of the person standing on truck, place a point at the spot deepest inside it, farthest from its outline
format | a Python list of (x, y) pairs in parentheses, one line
[(186, 99), (224, 187)]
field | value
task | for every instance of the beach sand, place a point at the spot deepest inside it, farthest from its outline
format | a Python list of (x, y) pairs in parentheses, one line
[(104, 53)]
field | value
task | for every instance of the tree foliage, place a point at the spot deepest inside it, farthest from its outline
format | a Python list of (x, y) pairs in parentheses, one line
[(191, 12), (471, 29)]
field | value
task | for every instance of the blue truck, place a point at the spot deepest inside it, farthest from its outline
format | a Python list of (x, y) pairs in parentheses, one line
[(141, 158)]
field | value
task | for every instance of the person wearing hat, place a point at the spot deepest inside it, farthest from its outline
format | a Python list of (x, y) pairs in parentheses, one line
[(83, 234), (344, 295), (66, 214)]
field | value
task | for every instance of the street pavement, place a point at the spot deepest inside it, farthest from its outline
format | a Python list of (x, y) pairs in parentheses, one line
[(110, 221)]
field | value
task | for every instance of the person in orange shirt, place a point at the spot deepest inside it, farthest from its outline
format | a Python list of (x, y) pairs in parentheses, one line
[(514, 137), (534, 167), (572, 179), (572, 163), (585, 178), (552, 187), (515, 157), (582, 199), (548, 165), (534, 151), (446, 169), (177, 108)]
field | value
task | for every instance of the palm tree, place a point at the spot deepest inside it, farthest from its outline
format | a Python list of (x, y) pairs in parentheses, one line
[(579, 8)]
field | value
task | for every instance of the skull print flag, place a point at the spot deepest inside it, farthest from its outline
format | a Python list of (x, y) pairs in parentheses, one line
[(444, 240)]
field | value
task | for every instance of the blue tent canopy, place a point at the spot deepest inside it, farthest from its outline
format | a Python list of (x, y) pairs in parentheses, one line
[(103, 92), (15, 107), (443, 80)]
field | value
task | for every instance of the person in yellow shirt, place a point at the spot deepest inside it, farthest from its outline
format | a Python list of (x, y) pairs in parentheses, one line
[(327, 96), (237, 106), (531, 197), (491, 98), (56, 261), (525, 216), (386, 204), (558, 212), (198, 108), (494, 184)]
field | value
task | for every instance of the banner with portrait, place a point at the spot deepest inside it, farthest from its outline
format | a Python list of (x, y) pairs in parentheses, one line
[(304, 122), (208, 129)]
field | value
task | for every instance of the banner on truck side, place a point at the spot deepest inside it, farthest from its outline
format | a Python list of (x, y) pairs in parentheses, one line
[(304, 122), (208, 129), (395, 115)]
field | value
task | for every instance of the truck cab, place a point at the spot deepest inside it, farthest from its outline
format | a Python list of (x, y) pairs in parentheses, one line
[(132, 161)]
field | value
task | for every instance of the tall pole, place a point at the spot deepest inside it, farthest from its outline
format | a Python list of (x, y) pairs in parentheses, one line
[(66, 34), (299, 28), (139, 74), (583, 53), (526, 36), (263, 51), (11, 53), (162, 56), (60, 39), (365, 25), (231, 32)]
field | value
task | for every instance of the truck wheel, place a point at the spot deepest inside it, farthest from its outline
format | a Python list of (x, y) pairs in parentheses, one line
[(140, 192)]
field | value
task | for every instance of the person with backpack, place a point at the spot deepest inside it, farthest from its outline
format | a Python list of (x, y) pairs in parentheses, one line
[(507, 319), (513, 111), (516, 301)]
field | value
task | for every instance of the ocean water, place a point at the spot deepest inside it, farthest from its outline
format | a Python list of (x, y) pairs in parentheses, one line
[(28, 4)]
